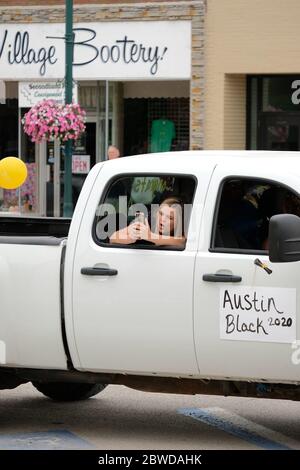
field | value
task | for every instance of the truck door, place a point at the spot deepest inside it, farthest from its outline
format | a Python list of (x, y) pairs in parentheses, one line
[(245, 316), (133, 303)]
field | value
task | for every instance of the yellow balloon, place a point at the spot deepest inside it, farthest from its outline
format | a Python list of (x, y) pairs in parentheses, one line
[(13, 173)]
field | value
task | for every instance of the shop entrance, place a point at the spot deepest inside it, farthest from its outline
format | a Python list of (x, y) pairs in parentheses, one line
[(279, 131), (100, 100), (84, 158)]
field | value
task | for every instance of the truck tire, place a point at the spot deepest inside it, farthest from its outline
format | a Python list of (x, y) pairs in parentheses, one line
[(68, 391)]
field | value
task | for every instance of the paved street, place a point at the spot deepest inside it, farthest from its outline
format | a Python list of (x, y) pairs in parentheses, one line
[(121, 418)]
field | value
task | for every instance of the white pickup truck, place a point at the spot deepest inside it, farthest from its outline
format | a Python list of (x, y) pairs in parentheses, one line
[(214, 315)]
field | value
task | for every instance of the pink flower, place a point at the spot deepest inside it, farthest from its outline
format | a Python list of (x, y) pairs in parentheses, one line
[(47, 119)]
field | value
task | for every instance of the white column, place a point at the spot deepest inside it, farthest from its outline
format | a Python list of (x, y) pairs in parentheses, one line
[(56, 179), (2, 92), (42, 178)]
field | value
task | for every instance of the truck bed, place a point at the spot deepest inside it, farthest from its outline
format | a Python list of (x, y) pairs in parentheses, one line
[(11, 226)]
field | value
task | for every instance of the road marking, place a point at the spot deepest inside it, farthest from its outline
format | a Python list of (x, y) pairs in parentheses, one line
[(242, 428), (50, 440)]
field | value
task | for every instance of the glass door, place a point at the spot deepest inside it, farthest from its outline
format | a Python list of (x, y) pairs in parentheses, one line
[(103, 102)]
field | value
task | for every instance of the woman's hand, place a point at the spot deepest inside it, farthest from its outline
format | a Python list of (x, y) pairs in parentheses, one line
[(143, 231), (133, 231), (125, 236)]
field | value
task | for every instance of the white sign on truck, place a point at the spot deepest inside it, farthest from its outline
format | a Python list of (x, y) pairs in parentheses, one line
[(258, 314)]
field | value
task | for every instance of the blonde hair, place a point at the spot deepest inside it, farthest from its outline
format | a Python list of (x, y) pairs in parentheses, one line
[(177, 204)]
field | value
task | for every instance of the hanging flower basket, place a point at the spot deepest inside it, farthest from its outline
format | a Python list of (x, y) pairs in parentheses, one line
[(49, 120)]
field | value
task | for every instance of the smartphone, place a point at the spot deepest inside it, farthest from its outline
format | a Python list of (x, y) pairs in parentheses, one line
[(139, 217)]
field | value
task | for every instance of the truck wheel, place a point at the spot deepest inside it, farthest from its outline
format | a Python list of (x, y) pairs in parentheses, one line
[(68, 391)]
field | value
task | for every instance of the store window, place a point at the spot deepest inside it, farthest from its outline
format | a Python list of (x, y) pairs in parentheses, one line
[(24, 199), (156, 116), (274, 113), (145, 211), (277, 94), (156, 125), (244, 211), (9, 200)]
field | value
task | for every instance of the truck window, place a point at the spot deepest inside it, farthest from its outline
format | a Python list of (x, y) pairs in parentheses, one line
[(145, 211), (243, 212)]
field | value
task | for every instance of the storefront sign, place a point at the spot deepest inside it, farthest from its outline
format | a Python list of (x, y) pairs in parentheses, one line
[(258, 314), (30, 93), (81, 164), (116, 50)]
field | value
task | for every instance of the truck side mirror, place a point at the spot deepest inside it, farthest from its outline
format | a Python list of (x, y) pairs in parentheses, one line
[(284, 238)]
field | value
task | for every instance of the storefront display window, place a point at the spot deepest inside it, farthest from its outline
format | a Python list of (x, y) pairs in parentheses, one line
[(274, 113), (277, 94), (22, 200), (156, 125), (9, 200)]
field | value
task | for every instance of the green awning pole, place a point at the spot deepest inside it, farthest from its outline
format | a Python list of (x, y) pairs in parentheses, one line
[(68, 202)]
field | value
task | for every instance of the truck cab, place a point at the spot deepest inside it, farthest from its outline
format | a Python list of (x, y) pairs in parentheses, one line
[(211, 314)]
